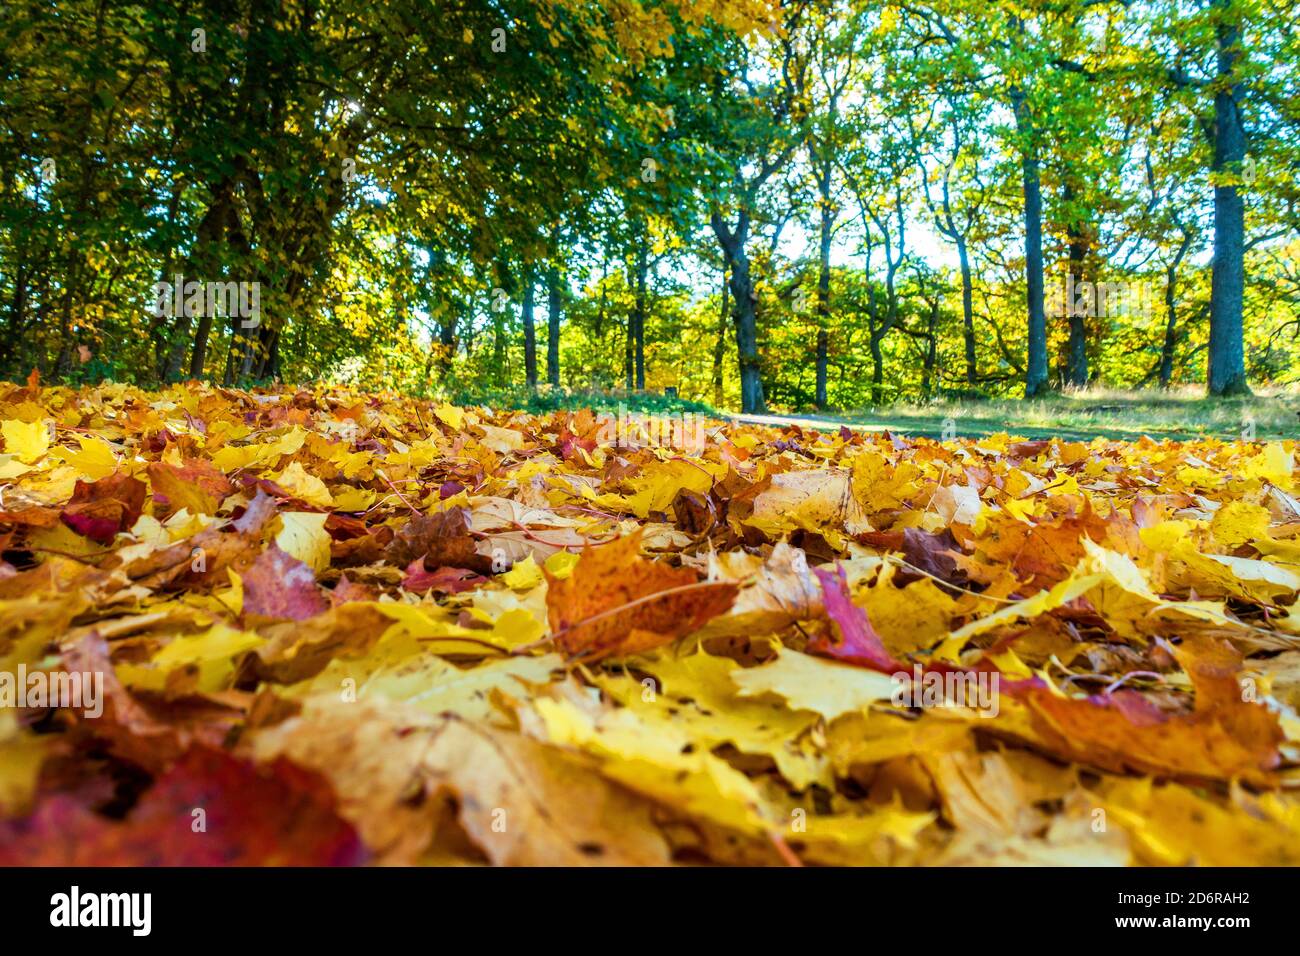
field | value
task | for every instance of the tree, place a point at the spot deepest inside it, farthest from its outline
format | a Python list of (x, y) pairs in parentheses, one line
[(835, 61), (754, 128), (949, 138)]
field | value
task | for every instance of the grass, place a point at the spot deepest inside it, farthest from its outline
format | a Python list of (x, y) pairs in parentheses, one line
[(547, 399), (1072, 415), (1080, 415)]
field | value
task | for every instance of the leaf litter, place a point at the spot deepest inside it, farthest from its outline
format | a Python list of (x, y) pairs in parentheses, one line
[(322, 627)]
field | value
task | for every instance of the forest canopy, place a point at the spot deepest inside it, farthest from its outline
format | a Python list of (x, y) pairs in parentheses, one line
[(797, 204)]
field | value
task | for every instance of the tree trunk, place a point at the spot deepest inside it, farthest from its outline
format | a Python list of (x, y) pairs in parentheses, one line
[(1076, 357), (720, 343), (553, 326), (17, 322), (879, 332), (967, 311), (443, 348), (63, 363), (639, 308), (931, 348), (824, 282), (1171, 313), (158, 324), (1171, 329), (751, 377), (499, 355), (823, 350), (874, 335), (259, 340), (207, 235), (629, 354), (1036, 379), (530, 334), (1226, 374), (447, 339), (744, 313), (267, 364), (877, 369), (199, 352)]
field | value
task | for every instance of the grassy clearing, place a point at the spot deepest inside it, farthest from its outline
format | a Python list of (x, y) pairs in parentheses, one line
[(1075, 415), (1108, 413)]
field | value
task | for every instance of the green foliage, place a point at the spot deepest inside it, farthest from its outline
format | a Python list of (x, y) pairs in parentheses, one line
[(396, 182)]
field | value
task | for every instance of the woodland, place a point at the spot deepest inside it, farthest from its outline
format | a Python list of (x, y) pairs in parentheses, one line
[(649, 433), (802, 205)]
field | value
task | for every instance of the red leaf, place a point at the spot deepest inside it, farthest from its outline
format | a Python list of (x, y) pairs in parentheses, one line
[(447, 580), (863, 647), (279, 585), (859, 642), (570, 443), (278, 815), (100, 509), (348, 590)]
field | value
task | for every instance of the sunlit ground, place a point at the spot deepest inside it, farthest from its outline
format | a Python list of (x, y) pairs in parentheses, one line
[(1110, 413)]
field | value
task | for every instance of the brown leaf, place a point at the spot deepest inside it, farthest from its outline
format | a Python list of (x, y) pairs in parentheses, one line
[(442, 539), (149, 733), (1223, 738), (202, 560), (196, 485), (520, 802), (300, 650), (616, 602)]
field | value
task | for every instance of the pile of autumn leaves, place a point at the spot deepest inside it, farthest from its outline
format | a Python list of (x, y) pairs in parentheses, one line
[(341, 628)]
